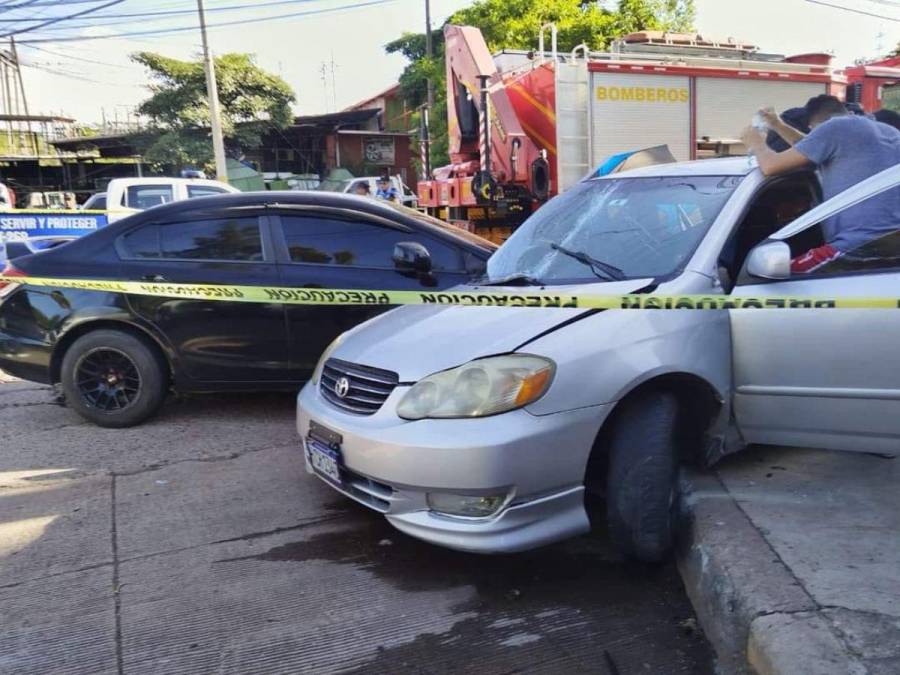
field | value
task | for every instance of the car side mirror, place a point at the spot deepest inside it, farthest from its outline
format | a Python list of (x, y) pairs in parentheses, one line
[(770, 260), (411, 258)]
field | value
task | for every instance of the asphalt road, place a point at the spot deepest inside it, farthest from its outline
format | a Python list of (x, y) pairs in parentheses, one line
[(197, 543)]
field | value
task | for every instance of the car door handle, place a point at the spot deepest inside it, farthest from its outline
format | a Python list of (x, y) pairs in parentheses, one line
[(155, 278)]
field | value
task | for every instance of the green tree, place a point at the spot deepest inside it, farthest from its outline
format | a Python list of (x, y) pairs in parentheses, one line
[(514, 24), (251, 101)]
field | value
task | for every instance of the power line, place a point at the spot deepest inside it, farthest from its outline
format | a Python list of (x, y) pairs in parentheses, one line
[(887, 3), (62, 18), (174, 12), (182, 29), (44, 3), (6, 8), (76, 76), (855, 11), (76, 58)]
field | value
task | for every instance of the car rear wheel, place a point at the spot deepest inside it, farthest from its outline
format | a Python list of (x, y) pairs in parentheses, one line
[(113, 379), (641, 488)]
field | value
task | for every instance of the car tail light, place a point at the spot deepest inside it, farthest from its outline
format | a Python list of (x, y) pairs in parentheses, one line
[(7, 287)]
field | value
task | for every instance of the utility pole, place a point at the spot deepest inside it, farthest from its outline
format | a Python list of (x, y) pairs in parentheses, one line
[(424, 131), (324, 70), (429, 50), (213, 95), (327, 69), (333, 84), (32, 137)]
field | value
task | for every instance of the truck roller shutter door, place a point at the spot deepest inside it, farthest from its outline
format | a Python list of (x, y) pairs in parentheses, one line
[(633, 111), (726, 105)]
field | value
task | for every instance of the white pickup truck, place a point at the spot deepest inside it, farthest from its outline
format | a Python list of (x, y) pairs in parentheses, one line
[(125, 196)]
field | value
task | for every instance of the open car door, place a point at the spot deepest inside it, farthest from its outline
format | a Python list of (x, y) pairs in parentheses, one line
[(825, 378)]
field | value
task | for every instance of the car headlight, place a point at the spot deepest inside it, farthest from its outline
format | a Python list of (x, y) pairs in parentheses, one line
[(479, 388)]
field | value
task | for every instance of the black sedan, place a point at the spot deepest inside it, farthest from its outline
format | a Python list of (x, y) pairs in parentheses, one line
[(115, 355)]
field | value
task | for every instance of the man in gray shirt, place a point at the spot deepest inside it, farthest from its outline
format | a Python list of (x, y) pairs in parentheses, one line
[(845, 149)]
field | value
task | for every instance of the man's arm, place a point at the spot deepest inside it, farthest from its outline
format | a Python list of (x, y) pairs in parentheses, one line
[(779, 126), (772, 163)]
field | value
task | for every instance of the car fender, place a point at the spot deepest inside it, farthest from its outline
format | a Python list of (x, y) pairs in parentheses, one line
[(602, 358), (85, 319)]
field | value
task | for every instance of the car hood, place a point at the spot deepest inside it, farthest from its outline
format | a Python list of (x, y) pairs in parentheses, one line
[(417, 340)]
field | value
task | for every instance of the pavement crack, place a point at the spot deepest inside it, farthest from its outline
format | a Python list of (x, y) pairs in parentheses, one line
[(279, 530), (117, 599), (246, 537), (866, 612), (86, 568), (202, 460)]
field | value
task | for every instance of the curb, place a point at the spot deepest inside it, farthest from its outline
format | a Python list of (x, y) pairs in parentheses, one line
[(754, 611)]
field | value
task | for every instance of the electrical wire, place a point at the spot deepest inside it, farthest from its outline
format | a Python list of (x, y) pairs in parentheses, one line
[(48, 22), (855, 11), (75, 58), (173, 12), (44, 3), (182, 29), (76, 76)]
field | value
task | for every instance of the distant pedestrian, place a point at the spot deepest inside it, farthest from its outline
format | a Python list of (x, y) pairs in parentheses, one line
[(361, 188), (387, 191)]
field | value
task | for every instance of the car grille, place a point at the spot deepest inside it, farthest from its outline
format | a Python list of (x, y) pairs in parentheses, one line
[(369, 387)]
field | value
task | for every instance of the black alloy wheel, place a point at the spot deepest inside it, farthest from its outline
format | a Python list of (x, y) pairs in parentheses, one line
[(113, 378), (107, 379)]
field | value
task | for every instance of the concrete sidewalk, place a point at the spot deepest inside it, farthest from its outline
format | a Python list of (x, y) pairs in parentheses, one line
[(792, 560)]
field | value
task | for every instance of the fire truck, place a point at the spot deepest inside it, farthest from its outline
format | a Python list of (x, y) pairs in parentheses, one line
[(875, 84), (525, 126)]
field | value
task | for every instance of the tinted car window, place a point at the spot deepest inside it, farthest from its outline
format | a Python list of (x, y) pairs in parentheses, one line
[(327, 240), (143, 242), (203, 190), (215, 239), (147, 196), (97, 202)]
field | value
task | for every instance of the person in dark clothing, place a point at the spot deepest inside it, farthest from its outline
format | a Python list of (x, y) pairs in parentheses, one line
[(888, 117), (794, 117)]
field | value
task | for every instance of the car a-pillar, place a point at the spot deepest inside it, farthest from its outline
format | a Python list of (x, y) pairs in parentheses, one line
[(631, 476)]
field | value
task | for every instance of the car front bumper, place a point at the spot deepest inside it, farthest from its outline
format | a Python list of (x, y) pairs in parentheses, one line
[(392, 464)]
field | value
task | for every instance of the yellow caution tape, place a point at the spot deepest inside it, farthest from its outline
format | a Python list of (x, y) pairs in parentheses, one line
[(483, 298)]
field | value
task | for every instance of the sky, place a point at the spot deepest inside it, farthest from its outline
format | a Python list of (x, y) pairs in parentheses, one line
[(92, 79)]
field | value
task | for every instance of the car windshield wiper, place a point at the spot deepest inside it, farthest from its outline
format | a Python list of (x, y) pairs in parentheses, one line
[(517, 279), (598, 267)]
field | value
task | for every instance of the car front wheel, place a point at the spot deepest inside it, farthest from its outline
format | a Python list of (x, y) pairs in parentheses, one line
[(113, 379), (641, 488)]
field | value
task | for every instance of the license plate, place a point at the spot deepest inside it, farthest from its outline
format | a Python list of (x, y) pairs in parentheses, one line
[(323, 460)]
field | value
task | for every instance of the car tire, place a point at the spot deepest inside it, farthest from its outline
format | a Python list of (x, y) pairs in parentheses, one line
[(642, 477), (113, 379)]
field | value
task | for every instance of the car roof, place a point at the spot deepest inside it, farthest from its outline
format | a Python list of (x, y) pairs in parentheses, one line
[(274, 198), (164, 180), (720, 166)]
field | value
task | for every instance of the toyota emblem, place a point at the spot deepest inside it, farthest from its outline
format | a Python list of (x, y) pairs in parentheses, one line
[(342, 387)]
